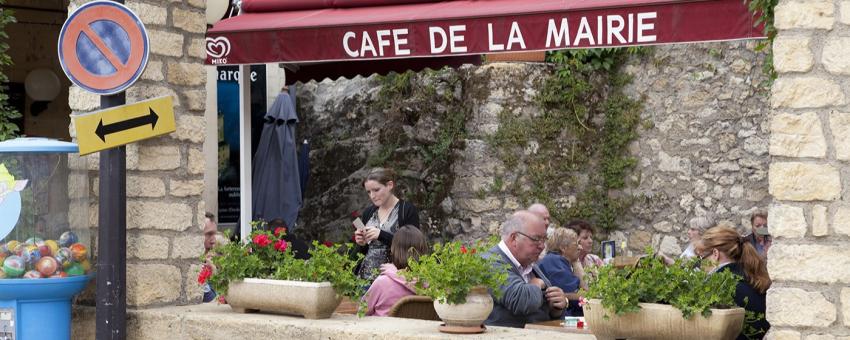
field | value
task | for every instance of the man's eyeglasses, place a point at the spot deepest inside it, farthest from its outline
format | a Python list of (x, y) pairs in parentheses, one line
[(534, 239)]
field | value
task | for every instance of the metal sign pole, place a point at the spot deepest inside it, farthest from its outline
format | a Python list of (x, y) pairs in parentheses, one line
[(112, 238)]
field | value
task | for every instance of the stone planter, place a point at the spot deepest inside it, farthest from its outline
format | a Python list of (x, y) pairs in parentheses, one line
[(656, 321), (313, 300), (471, 314)]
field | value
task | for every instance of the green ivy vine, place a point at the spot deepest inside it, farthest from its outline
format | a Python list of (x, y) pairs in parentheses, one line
[(8, 129), (582, 138), (764, 12), (404, 99)]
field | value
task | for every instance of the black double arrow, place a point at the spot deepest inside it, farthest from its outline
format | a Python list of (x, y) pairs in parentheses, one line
[(103, 130)]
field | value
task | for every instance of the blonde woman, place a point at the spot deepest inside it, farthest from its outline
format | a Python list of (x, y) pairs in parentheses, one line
[(563, 267)]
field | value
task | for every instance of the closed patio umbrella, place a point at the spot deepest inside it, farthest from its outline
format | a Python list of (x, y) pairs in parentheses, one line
[(277, 183)]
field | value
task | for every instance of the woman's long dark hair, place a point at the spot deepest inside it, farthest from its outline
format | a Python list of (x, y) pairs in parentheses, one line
[(408, 243), (736, 248)]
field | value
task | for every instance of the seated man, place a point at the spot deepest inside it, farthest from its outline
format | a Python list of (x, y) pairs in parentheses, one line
[(528, 296)]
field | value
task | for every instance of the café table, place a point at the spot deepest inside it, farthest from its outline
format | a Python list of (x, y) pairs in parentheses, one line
[(556, 326)]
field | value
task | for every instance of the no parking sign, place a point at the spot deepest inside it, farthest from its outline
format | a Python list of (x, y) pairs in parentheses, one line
[(103, 47)]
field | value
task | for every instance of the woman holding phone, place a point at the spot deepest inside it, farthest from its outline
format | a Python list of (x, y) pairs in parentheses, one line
[(380, 221)]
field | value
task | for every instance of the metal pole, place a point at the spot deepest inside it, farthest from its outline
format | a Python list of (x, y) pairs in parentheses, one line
[(112, 238)]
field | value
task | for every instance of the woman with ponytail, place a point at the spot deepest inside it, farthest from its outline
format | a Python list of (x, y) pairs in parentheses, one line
[(725, 247)]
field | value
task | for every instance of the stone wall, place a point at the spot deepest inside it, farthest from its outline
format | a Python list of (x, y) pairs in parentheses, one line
[(164, 174), (809, 148), (702, 148)]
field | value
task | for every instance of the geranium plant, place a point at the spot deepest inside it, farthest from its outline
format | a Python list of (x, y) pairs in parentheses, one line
[(453, 269), (682, 285), (269, 256)]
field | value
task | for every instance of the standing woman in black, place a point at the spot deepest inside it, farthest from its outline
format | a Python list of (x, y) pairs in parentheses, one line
[(382, 218)]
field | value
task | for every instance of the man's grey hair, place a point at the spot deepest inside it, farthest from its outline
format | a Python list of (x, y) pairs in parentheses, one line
[(513, 224)]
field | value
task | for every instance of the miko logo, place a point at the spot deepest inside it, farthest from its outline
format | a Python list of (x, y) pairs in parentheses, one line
[(218, 49)]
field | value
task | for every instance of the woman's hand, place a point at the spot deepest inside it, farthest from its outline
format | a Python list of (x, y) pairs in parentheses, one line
[(371, 233), (360, 236)]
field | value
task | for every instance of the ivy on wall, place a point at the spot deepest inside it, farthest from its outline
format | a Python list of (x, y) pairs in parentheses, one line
[(581, 138), (764, 12), (8, 129), (404, 99)]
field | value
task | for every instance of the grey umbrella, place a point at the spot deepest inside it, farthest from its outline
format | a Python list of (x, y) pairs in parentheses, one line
[(277, 185)]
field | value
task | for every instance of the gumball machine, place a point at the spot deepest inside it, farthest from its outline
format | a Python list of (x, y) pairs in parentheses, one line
[(45, 237)]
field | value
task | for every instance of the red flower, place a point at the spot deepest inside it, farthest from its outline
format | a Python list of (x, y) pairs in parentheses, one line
[(473, 250), (262, 240), (221, 299), (280, 245), (279, 231), (328, 244), (463, 249), (205, 274)]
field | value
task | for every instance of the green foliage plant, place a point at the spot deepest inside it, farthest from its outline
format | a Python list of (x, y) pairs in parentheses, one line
[(764, 12), (8, 129), (682, 285), (263, 258), (452, 270)]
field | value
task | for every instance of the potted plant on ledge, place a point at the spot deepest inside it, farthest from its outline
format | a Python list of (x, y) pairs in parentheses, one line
[(653, 300), (458, 279), (264, 275)]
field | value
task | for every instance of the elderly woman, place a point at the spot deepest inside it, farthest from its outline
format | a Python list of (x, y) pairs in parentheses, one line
[(585, 240), (696, 227), (563, 267)]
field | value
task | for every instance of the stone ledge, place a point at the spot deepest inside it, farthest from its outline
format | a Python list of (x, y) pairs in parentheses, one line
[(212, 321)]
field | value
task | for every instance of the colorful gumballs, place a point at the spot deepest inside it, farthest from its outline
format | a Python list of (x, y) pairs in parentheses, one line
[(14, 266), (59, 275), (47, 266), (36, 241), (32, 274), (31, 254), (86, 265), (53, 246), (68, 238), (75, 270), (14, 247), (63, 256), (78, 251)]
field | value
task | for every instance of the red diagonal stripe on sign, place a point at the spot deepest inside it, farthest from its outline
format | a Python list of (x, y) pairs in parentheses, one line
[(105, 50)]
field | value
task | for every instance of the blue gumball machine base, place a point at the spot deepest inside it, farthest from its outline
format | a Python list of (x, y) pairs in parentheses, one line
[(38, 308)]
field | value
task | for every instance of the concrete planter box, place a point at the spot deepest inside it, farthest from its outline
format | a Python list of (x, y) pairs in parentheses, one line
[(313, 300), (656, 321)]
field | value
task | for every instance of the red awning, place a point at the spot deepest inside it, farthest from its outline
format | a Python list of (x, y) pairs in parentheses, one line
[(343, 32)]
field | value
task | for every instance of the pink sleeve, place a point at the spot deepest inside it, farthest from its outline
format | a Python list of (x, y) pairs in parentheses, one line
[(374, 295)]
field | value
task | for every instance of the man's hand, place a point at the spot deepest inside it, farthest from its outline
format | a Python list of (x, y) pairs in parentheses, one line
[(555, 297), (360, 237), (371, 233), (537, 282)]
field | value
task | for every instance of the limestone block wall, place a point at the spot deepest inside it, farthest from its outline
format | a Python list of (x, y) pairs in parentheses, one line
[(164, 174), (809, 171)]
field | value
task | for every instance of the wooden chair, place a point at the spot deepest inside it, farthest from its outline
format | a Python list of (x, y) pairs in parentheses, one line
[(414, 307)]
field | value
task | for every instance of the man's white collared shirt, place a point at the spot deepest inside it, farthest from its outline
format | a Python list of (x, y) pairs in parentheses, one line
[(526, 271)]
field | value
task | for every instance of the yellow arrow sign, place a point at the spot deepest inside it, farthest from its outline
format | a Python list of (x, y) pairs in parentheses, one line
[(120, 125)]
